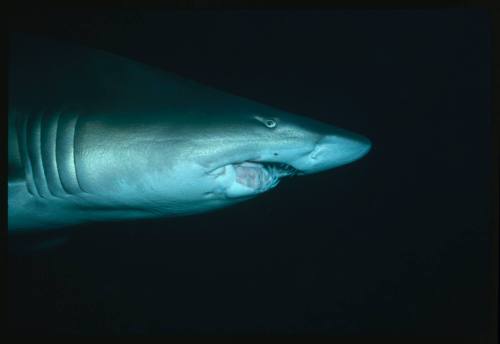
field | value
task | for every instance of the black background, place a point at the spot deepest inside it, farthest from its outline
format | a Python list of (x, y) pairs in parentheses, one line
[(398, 242)]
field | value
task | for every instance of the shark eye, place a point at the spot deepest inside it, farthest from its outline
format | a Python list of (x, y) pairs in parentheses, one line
[(270, 123)]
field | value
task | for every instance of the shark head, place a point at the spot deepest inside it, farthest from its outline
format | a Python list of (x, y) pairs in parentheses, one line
[(268, 145), (282, 146)]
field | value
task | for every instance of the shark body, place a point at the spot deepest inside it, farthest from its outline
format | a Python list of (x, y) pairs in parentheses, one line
[(97, 137)]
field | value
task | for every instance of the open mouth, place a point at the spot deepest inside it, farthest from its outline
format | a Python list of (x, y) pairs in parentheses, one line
[(251, 177)]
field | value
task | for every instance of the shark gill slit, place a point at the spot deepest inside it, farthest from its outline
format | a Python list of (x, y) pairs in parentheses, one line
[(65, 153), (22, 134), (43, 168), (56, 148), (49, 140), (34, 140), (75, 125)]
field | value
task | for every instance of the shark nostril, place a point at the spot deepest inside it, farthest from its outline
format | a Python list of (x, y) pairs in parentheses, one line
[(315, 154)]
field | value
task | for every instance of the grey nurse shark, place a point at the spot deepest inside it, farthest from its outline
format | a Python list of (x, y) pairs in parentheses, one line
[(97, 137)]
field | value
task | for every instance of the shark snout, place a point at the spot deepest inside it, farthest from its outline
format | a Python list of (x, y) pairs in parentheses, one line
[(334, 150)]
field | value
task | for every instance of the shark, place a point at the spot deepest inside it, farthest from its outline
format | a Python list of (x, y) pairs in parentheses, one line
[(93, 136)]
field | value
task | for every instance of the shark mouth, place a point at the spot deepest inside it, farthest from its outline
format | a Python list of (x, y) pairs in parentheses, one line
[(249, 178)]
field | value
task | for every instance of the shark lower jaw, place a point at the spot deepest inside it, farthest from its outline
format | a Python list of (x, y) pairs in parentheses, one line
[(250, 178)]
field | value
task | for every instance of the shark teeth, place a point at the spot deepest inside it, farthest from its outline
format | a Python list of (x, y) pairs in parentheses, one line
[(280, 169)]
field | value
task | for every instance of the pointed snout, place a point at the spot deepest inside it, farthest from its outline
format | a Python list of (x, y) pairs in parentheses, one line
[(335, 150)]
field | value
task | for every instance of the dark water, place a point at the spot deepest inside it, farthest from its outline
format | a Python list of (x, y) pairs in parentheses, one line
[(396, 243)]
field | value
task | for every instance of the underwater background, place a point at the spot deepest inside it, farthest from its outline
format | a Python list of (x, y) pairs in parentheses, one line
[(398, 243)]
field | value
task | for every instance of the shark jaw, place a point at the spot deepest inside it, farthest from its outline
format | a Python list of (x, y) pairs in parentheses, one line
[(250, 178)]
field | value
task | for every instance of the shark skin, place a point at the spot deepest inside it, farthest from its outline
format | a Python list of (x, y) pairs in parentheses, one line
[(97, 137)]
